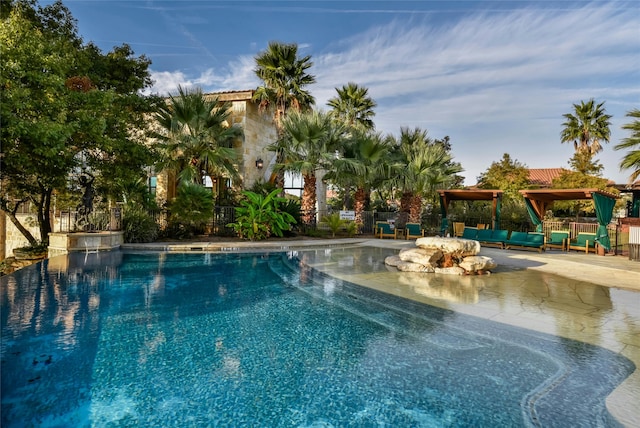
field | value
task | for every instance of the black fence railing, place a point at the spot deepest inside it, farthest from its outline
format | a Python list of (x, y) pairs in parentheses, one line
[(97, 221)]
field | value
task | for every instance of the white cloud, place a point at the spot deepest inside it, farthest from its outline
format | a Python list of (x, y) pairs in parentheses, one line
[(494, 83)]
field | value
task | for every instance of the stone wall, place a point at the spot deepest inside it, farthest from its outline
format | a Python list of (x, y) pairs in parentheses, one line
[(13, 237)]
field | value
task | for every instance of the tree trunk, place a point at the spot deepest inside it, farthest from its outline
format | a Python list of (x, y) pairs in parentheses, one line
[(405, 202), (43, 206), (12, 216), (308, 202), (359, 204), (415, 210)]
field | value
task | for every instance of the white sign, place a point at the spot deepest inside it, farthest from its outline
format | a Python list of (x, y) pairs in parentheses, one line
[(347, 215)]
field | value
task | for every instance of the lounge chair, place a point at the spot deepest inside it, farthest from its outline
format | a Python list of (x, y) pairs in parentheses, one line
[(527, 241), (470, 233), (558, 239), (458, 229), (584, 242), (491, 237), (385, 231), (413, 230)]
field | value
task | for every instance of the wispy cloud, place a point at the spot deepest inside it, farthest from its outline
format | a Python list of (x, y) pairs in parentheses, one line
[(493, 82)]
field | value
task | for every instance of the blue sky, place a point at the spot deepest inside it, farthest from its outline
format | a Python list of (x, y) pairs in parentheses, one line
[(495, 76)]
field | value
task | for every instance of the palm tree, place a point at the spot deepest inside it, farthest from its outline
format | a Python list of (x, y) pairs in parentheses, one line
[(195, 137), (587, 128), (308, 143), (632, 159), (362, 160), (285, 77), (353, 106), (420, 166)]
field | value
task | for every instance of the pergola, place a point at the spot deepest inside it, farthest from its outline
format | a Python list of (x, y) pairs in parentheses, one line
[(446, 196), (539, 200)]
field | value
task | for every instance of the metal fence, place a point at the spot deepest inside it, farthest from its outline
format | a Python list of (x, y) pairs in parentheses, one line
[(97, 221)]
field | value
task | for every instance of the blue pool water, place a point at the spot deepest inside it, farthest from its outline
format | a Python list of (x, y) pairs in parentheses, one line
[(175, 340)]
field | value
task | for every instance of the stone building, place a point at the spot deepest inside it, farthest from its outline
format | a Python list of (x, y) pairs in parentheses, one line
[(254, 160)]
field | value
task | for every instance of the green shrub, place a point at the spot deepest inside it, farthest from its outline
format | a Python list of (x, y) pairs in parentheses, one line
[(192, 208), (260, 216), (138, 225), (351, 227), (333, 222)]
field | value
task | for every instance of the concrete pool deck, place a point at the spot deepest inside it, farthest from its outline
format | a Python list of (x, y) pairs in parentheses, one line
[(585, 297)]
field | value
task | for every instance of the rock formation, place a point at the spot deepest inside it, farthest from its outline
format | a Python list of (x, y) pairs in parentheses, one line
[(454, 256)]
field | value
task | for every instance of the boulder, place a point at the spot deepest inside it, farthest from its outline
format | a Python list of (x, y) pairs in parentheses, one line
[(423, 256), (477, 263), (457, 247), (454, 270), (414, 267), (392, 261)]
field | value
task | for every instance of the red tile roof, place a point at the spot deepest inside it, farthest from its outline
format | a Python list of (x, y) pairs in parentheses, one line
[(544, 176)]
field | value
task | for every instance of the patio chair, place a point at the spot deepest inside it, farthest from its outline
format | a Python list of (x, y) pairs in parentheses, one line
[(584, 242), (458, 229), (558, 239), (385, 231), (413, 230)]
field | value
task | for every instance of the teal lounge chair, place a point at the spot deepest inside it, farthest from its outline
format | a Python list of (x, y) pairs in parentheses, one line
[(413, 230), (584, 242), (385, 231), (492, 237), (470, 233), (526, 241), (559, 239)]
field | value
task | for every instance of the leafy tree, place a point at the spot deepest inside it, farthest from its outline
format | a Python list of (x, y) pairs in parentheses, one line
[(584, 163), (632, 143), (508, 175), (353, 107), (195, 138), (419, 167), (309, 141), (587, 128), (578, 180), (62, 110), (260, 216)]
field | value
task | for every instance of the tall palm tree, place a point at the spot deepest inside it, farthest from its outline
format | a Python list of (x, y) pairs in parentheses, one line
[(353, 106), (587, 127), (362, 160), (421, 165), (632, 159), (195, 137), (285, 79), (308, 143)]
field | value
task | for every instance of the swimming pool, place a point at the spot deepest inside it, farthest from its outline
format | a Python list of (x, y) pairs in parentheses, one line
[(158, 339)]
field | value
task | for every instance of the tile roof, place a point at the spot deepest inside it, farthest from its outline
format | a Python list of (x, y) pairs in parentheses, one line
[(544, 176)]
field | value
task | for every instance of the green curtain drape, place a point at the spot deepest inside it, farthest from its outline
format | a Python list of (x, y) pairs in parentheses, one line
[(444, 225), (604, 212), (496, 220), (534, 217)]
